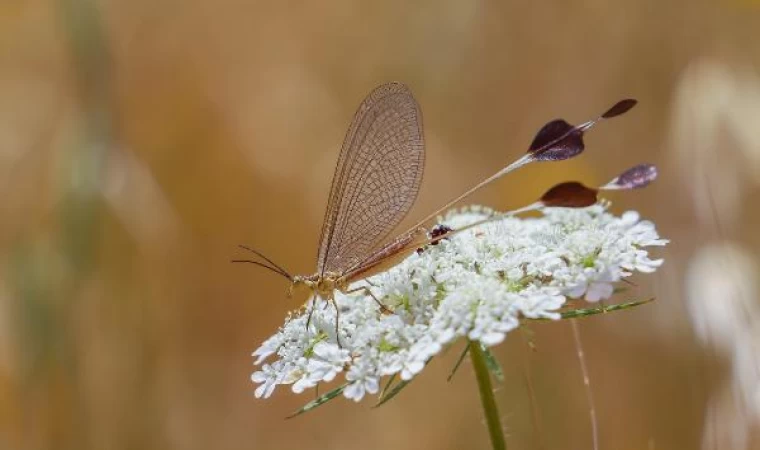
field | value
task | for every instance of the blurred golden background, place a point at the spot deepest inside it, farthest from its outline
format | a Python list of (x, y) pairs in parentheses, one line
[(141, 141)]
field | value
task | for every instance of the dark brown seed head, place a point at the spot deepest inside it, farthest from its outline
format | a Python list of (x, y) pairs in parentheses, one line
[(635, 177), (557, 140), (570, 194), (621, 107)]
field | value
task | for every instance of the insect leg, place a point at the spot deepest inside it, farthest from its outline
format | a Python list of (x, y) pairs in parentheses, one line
[(337, 321), (366, 291), (311, 311)]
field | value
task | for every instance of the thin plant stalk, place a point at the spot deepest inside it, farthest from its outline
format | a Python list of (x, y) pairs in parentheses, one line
[(531, 392), (586, 384), (486, 396)]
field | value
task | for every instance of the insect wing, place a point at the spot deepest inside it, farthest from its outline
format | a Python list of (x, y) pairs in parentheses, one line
[(377, 177)]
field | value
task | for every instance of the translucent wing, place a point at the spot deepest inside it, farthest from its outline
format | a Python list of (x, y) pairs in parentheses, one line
[(377, 178)]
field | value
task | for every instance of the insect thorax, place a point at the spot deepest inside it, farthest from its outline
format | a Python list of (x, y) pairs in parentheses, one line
[(323, 285)]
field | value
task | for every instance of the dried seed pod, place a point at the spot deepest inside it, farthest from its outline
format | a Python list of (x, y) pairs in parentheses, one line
[(621, 107), (570, 194), (559, 140), (634, 178)]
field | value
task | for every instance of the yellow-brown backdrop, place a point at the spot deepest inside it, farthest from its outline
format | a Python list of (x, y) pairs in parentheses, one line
[(141, 141)]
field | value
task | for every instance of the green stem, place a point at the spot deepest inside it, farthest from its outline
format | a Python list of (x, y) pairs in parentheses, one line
[(486, 396)]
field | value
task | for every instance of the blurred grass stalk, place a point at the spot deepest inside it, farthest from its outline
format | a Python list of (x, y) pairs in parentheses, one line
[(49, 279)]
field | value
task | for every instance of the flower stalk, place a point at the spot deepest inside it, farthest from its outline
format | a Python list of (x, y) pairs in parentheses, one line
[(490, 410)]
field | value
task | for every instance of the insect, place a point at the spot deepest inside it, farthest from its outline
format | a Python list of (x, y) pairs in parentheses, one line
[(376, 182)]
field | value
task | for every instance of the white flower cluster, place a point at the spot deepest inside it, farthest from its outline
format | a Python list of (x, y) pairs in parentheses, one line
[(478, 284)]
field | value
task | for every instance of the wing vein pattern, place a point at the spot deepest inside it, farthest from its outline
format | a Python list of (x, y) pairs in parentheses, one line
[(377, 177)]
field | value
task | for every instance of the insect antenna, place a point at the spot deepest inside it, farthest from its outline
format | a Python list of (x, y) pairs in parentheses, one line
[(264, 266), (274, 264), (274, 267)]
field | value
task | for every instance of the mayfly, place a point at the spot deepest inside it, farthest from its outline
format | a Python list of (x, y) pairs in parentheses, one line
[(377, 179)]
